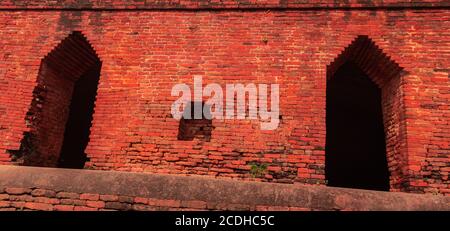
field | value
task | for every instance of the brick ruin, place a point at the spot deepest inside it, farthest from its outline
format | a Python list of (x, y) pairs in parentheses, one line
[(364, 89), (44, 189)]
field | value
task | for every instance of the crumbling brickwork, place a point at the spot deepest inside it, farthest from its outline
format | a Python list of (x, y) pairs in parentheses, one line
[(297, 44), (46, 118)]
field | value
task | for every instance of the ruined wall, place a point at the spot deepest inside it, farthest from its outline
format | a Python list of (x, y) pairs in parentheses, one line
[(45, 189), (145, 52)]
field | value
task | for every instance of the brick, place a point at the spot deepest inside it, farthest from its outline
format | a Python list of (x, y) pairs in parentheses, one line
[(20, 198), (278, 208), (64, 207), (95, 204), (17, 191), (262, 208), (118, 206), (46, 200), (84, 208), (18, 204), (4, 204), (73, 202), (238, 207), (194, 204), (165, 203), (126, 199), (299, 209), (38, 206), (43, 193), (139, 207), (139, 200), (68, 195), (109, 197), (228, 206), (90, 197)]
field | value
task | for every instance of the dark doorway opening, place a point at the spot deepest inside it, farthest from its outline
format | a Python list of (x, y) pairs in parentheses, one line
[(79, 122), (60, 113), (355, 141)]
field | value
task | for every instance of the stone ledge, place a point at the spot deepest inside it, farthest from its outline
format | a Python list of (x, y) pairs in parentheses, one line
[(211, 190), (216, 4)]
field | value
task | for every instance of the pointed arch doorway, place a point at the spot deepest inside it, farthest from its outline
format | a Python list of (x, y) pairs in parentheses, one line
[(362, 111), (60, 115)]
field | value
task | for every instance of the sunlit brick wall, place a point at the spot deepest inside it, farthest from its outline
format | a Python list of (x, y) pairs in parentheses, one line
[(144, 53)]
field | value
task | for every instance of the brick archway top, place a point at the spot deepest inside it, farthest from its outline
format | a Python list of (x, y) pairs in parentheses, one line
[(370, 58), (73, 56)]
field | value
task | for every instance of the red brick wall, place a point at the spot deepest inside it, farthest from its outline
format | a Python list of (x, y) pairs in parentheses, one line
[(144, 53), (215, 4)]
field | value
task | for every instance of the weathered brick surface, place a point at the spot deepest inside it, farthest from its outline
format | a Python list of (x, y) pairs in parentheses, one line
[(46, 200), (189, 193), (67, 195), (144, 53), (194, 204), (109, 197), (20, 198), (38, 206), (44, 193), (63, 207), (117, 206), (73, 202), (4, 204), (213, 4), (89, 196), (126, 199), (95, 204), (84, 208), (17, 191), (138, 200), (4, 196)]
